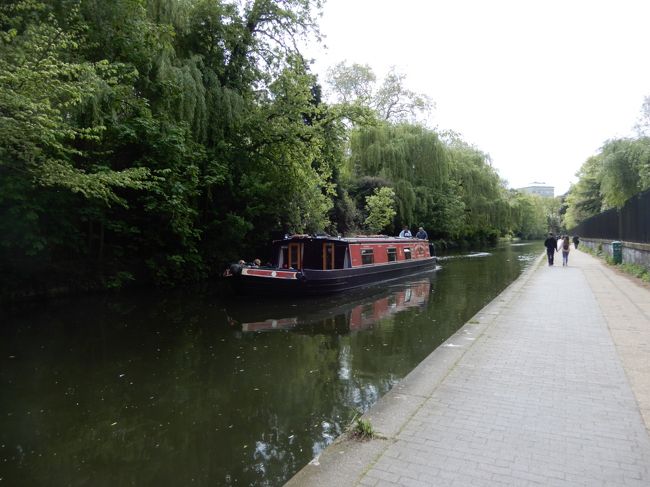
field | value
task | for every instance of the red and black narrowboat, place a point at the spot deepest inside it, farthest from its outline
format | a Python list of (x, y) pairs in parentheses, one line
[(304, 264)]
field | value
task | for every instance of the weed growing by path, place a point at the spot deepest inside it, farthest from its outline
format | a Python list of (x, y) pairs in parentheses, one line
[(361, 429), (637, 271)]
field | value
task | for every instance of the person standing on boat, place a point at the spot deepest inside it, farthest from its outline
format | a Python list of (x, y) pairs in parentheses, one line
[(551, 247), (422, 234), (405, 233)]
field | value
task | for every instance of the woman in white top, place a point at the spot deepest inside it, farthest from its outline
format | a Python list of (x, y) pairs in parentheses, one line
[(565, 245), (405, 233)]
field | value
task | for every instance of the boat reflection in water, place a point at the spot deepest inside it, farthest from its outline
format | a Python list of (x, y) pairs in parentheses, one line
[(350, 312)]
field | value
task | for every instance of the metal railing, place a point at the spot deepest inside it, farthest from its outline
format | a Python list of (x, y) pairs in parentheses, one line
[(629, 224)]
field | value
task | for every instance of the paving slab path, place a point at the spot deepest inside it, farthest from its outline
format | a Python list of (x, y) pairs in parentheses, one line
[(548, 385)]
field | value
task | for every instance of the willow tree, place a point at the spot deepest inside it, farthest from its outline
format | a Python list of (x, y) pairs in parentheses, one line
[(481, 190), (529, 215), (609, 179), (159, 119), (230, 99), (43, 87), (412, 158), (584, 198), (171, 132), (53, 169), (625, 169)]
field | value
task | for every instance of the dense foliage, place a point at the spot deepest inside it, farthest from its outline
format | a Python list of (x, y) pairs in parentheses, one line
[(607, 180), (154, 140)]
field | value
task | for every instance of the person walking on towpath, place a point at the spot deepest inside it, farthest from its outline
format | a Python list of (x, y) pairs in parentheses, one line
[(576, 241), (566, 245), (551, 247)]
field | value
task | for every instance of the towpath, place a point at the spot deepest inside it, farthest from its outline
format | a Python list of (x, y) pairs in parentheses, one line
[(548, 385)]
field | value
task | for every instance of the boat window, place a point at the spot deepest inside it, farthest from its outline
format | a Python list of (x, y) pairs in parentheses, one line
[(367, 256), (407, 253), (392, 254)]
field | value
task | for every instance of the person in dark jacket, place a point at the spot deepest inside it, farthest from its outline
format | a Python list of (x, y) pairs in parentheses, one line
[(422, 234), (576, 241), (551, 247)]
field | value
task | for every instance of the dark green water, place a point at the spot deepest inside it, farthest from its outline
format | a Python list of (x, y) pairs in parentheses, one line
[(192, 390)]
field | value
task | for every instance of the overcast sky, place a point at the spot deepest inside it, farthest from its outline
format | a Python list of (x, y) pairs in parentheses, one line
[(539, 85)]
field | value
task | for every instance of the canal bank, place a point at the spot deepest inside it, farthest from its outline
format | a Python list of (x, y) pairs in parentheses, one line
[(546, 385)]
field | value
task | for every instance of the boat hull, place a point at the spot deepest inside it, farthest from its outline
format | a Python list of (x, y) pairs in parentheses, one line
[(315, 282)]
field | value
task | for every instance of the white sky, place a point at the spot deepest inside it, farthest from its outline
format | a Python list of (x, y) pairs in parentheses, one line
[(539, 85)]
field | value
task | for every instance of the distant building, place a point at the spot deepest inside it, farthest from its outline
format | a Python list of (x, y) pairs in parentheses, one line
[(541, 189)]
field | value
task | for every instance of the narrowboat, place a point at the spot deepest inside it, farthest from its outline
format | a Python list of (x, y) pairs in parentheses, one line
[(305, 264)]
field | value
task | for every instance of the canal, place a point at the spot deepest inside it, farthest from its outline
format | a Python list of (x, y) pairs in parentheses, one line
[(188, 389)]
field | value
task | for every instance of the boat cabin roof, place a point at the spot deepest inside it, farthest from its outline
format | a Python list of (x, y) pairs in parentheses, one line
[(359, 239)]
